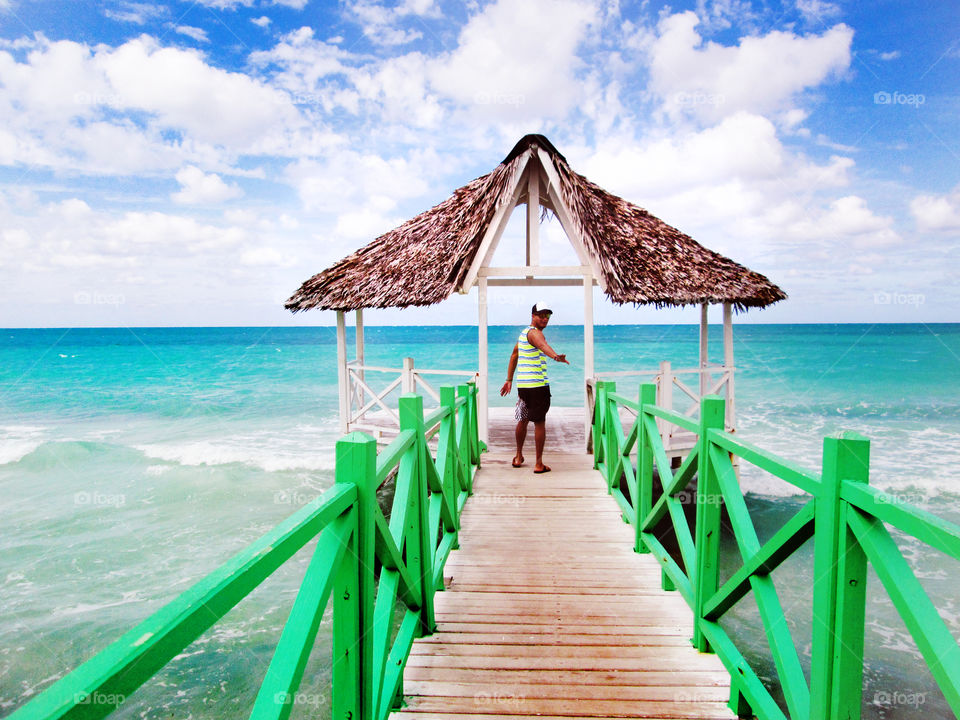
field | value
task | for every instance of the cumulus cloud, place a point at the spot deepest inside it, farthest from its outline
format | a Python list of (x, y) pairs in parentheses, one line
[(198, 34), (380, 21), (937, 213), (199, 187), (710, 80), (137, 107), (510, 63), (818, 11), (136, 12)]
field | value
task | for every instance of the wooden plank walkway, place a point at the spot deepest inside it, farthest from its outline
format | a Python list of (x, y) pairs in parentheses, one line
[(548, 612)]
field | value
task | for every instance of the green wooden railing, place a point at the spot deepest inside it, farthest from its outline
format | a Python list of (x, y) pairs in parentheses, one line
[(355, 539), (845, 517)]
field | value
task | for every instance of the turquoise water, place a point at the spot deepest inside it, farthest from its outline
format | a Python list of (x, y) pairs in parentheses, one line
[(134, 461)]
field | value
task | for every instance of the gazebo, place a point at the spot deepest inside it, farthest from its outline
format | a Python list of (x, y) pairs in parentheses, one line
[(633, 256)]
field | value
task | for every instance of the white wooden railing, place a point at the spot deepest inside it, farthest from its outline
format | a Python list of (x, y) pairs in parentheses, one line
[(707, 380), (369, 405)]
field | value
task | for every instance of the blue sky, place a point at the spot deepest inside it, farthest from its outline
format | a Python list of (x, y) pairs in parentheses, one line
[(191, 163)]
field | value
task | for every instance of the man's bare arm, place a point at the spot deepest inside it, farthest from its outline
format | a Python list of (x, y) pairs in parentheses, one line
[(511, 368), (535, 337)]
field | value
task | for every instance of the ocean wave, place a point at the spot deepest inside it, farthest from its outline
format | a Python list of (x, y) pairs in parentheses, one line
[(125, 599), (64, 452), (270, 459), (18, 441), (12, 451)]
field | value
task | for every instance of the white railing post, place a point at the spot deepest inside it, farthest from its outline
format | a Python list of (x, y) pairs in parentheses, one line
[(409, 382), (483, 376), (665, 399), (704, 350), (343, 378), (728, 362)]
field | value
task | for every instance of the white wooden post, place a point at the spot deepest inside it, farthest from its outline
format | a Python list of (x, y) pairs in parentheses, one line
[(408, 384), (665, 399), (483, 379), (359, 355), (704, 354), (343, 380), (587, 347), (728, 362), (533, 217)]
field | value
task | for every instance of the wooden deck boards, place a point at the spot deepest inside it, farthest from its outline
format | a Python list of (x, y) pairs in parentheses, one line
[(548, 612)]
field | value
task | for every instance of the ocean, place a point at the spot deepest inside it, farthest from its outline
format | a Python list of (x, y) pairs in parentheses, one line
[(135, 461)]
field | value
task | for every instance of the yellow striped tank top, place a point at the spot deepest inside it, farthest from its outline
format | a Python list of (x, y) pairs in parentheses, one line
[(531, 365)]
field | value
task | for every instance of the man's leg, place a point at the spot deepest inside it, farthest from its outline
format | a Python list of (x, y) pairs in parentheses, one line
[(521, 434), (540, 437)]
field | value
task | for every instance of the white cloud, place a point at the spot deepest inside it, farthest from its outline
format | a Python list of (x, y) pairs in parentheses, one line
[(517, 59), (743, 147), (295, 4), (198, 34), (937, 212), (380, 22), (262, 21), (348, 179), (850, 217), (302, 61), (184, 92), (198, 187), (892, 55), (265, 256), (722, 14), (138, 107), (137, 13), (710, 80), (225, 4), (818, 11)]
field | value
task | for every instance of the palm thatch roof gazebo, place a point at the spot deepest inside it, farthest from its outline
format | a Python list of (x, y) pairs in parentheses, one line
[(631, 255)]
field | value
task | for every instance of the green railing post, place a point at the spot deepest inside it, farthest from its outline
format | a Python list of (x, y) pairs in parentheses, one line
[(706, 574), (839, 586), (643, 503), (346, 681), (465, 431), (447, 447), (356, 464), (599, 403), (411, 418), (610, 450), (474, 426)]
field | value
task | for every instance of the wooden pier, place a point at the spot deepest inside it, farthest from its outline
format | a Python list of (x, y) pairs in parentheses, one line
[(548, 611)]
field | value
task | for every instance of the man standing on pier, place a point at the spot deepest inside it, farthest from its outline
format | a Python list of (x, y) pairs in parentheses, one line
[(529, 360)]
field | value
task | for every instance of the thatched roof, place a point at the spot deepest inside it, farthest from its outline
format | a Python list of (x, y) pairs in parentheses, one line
[(641, 259)]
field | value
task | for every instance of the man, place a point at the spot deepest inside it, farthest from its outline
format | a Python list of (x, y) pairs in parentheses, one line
[(529, 360)]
